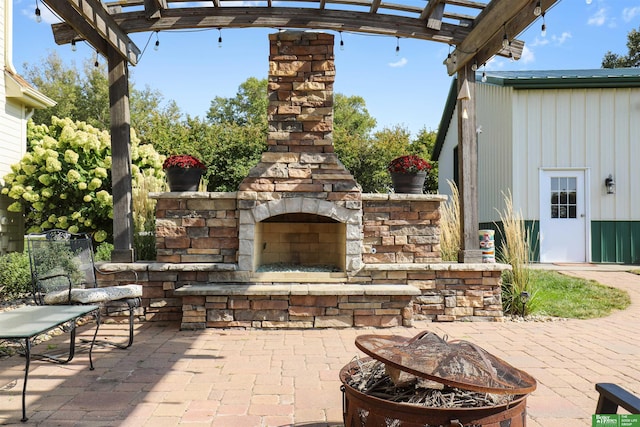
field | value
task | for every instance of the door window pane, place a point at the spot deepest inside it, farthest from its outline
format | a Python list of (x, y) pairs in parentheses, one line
[(564, 197)]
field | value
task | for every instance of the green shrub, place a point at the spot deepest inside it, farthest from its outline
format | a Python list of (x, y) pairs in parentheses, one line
[(15, 275), (103, 252)]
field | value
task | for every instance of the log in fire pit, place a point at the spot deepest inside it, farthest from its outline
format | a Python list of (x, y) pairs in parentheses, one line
[(427, 381)]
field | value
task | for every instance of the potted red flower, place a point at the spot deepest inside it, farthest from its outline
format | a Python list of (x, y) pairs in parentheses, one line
[(183, 172), (408, 173)]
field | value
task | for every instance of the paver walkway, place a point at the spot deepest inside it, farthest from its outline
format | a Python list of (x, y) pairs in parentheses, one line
[(290, 378)]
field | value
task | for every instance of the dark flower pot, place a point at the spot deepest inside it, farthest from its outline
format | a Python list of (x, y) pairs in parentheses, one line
[(408, 183), (183, 179)]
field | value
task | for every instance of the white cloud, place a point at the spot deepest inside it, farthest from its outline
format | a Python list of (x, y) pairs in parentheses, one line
[(599, 18), (400, 63), (561, 38), (47, 16), (628, 13), (527, 55), (539, 41)]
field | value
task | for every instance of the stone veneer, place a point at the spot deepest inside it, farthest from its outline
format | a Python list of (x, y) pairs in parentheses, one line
[(198, 281), (210, 245)]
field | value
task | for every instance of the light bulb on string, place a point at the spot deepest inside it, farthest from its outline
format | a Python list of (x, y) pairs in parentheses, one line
[(341, 42), (96, 64), (219, 37), (505, 40), (449, 56), (474, 66), (543, 31), (73, 46), (537, 10), (157, 44), (397, 45), (38, 14)]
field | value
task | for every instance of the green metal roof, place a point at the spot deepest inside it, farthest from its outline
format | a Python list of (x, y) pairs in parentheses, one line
[(540, 79), (555, 79)]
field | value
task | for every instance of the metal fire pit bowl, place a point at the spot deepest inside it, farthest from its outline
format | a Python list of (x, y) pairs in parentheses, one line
[(429, 358)]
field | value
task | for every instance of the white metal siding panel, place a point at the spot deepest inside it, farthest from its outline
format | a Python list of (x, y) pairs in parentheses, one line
[(630, 190), (445, 161), (494, 116), (597, 129)]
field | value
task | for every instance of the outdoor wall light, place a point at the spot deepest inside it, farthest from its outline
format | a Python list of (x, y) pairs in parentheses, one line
[(610, 184)]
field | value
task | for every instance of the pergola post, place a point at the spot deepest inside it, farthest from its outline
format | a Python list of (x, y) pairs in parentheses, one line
[(121, 158), (468, 166)]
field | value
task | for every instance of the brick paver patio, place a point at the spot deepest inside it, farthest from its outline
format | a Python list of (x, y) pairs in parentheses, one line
[(290, 377)]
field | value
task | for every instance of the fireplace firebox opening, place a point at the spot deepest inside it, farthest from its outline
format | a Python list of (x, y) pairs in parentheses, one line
[(300, 242)]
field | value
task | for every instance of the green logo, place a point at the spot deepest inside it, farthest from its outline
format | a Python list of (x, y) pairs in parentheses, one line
[(605, 420), (615, 420)]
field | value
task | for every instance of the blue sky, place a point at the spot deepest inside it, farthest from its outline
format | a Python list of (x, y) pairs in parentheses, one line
[(408, 89)]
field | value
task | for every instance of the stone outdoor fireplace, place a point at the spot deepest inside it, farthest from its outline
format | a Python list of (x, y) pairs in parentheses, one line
[(299, 245), (305, 208)]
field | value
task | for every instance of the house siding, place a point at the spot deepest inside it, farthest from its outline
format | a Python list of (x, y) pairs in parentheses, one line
[(563, 125), (553, 129), (615, 242)]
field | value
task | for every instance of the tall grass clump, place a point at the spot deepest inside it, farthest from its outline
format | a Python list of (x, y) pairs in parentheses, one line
[(450, 225), (144, 218), (518, 295)]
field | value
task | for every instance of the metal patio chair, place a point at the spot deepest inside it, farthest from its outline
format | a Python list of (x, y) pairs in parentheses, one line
[(63, 272), (612, 396)]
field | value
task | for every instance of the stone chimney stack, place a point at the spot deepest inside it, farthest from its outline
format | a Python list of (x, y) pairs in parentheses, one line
[(301, 76)]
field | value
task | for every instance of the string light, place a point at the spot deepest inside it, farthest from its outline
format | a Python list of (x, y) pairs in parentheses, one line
[(505, 39), (449, 56), (219, 37), (538, 9), (73, 46), (474, 66), (38, 14), (96, 64), (341, 42), (157, 45), (397, 45), (543, 31)]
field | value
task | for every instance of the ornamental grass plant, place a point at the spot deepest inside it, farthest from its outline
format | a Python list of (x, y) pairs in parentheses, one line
[(518, 293), (450, 225)]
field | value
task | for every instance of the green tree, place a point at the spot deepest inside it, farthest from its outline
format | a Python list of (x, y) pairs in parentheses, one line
[(632, 59), (84, 96), (423, 145), (249, 106), (60, 83), (64, 179)]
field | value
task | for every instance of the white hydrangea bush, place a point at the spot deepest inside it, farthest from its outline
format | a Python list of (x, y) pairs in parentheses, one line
[(64, 179)]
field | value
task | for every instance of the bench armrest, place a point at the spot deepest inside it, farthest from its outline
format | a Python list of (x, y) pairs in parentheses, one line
[(612, 396)]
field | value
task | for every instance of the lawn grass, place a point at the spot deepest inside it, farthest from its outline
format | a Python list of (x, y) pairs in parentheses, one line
[(559, 295)]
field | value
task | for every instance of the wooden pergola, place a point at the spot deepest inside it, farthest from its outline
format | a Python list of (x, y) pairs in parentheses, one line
[(476, 30)]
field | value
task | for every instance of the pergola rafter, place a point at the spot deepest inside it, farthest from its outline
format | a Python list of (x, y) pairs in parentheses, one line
[(476, 29)]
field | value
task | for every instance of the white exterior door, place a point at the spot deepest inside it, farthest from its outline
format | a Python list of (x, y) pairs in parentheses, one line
[(563, 216)]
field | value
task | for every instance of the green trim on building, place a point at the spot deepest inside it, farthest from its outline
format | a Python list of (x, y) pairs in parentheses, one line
[(615, 242), (534, 229)]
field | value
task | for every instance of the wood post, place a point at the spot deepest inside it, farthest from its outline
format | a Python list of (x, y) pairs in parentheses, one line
[(121, 158), (468, 166)]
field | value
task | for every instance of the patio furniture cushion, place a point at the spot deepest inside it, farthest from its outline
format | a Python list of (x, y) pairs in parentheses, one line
[(94, 295)]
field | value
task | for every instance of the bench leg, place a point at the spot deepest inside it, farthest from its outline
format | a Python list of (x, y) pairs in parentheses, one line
[(27, 362)]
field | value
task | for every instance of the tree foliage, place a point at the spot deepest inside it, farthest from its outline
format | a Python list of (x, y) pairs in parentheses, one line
[(64, 179), (248, 107), (84, 96), (632, 59)]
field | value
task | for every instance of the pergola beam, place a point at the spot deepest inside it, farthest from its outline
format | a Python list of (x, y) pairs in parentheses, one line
[(90, 21), (486, 38), (280, 17)]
